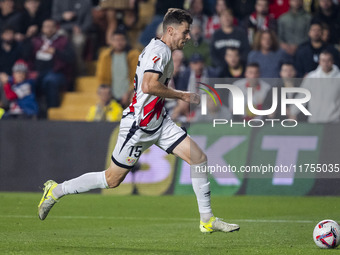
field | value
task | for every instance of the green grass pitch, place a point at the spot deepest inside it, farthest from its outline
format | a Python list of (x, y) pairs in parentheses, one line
[(97, 224)]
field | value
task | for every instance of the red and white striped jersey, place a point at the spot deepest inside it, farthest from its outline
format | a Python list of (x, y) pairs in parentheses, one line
[(149, 110)]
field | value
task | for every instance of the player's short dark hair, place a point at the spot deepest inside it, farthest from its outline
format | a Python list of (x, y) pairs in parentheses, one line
[(176, 16), (253, 64)]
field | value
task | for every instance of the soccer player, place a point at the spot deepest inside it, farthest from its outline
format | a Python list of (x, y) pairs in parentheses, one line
[(145, 123)]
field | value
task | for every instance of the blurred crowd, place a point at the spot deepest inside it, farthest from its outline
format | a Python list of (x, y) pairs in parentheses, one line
[(45, 43)]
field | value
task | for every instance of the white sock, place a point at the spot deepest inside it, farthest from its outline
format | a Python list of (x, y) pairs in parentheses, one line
[(81, 184), (201, 187)]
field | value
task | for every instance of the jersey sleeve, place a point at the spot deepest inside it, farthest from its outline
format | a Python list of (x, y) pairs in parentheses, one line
[(157, 60)]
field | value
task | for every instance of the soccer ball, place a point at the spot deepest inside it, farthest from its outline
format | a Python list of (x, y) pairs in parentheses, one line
[(326, 234)]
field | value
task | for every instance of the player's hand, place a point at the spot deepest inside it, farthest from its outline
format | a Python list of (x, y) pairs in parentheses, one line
[(191, 98)]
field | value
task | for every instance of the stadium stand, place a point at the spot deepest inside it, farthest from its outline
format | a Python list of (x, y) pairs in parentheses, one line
[(78, 94), (75, 105)]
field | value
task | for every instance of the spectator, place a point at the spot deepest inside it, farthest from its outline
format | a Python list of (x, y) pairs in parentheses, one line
[(325, 34), (196, 72), (50, 55), (329, 13), (161, 8), (10, 50), (106, 109), (242, 9), (260, 90), (293, 27), (234, 67), (117, 67), (226, 37), (31, 20), (120, 15), (75, 19), (260, 20), (19, 92), (307, 54), (177, 58), (288, 74), (8, 16), (214, 111), (267, 54), (198, 10), (188, 81), (213, 23), (288, 80), (325, 102), (278, 7), (197, 43)]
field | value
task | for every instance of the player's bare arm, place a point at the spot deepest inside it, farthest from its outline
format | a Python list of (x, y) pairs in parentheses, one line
[(152, 86)]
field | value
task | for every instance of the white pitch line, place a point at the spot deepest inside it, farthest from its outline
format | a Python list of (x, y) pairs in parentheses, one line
[(153, 219)]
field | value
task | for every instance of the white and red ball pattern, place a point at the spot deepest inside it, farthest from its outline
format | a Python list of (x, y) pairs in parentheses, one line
[(326, 234)]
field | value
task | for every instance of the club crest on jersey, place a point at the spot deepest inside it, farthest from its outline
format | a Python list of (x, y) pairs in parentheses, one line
[(130, 161), (155, 59)]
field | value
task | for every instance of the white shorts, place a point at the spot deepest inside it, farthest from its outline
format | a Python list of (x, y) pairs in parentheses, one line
[(133, 141)]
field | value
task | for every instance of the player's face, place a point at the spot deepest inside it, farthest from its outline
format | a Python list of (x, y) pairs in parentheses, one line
[(181, 34), (326, 62)]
